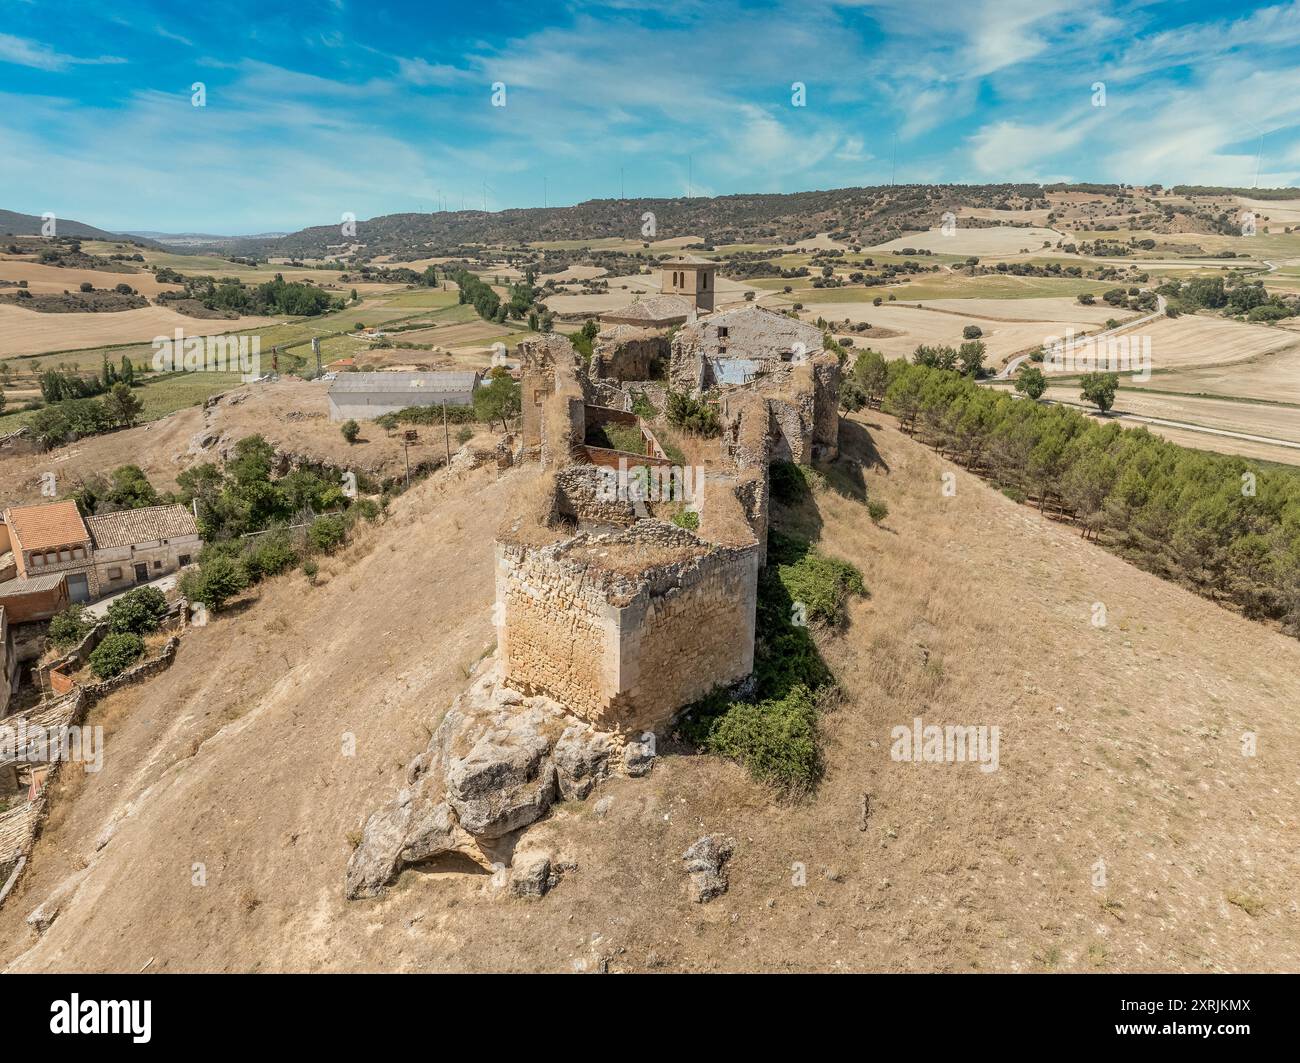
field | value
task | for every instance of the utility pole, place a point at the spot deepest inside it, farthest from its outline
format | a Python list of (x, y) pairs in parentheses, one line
[(544, 193), (408, 437)]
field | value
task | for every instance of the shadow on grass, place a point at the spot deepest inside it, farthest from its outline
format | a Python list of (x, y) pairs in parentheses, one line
[(770, 725), (857, 445)]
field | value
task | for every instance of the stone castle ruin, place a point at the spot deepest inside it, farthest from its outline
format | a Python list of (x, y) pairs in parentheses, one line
[(627, 587)]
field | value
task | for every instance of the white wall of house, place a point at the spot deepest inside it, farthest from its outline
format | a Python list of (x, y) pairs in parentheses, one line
[(115, 567)]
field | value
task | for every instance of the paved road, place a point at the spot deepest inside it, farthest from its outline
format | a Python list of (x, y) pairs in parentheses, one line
[(1184, 425), (1010, 370), (100, 608)]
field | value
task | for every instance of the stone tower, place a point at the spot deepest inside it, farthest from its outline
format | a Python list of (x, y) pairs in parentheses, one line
[(692, 278)]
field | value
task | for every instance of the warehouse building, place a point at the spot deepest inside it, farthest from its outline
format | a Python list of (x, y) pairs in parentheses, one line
[(365, 396)]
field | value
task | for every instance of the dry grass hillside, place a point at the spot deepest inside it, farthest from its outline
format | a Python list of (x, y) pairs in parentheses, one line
[(291, 413), (1118, 744)]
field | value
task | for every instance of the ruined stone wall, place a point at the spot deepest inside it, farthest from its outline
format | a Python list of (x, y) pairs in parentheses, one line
[(752, 335), (826, 407), (552, 398), (581, 498), (626, 652), (623, 352)]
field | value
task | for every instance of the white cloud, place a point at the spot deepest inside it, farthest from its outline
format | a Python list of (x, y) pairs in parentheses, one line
[(34, 54)]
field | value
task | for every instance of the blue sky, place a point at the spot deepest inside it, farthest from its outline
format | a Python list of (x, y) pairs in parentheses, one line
[(329, 106)]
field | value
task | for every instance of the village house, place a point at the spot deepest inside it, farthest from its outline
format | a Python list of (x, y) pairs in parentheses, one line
[(49, 539), (365, 396), (138, 545)]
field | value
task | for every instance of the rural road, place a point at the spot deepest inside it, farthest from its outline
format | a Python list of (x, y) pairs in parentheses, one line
[(1184, 425), (1010, 369)]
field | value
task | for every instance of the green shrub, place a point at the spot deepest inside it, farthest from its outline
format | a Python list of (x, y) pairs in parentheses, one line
[(823, 584), (367, 508), (775, 739), (642, 406), (273, 554), (310, 569), (217, 579), (877, 511), (351, 430), (694, 415), (774, 732), (70, 626), (137, 612), (115, 654), (327, 532), (687, 518), (464, 435)]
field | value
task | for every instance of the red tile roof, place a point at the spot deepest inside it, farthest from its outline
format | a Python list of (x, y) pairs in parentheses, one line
[(46, 526)]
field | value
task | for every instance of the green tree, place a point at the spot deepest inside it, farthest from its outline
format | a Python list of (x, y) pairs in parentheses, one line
[(497, 400), (115, 654), (70, 626), (122, 406), (971, 357), (1031, 382), (351, 430), (218, 579), (1099, 389)]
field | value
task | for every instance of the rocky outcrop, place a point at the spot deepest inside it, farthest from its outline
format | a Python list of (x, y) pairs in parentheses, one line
[(494, 766), (706, 862)]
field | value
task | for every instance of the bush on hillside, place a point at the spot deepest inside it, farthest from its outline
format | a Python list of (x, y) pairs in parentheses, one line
[(115, 654), (137, 612)]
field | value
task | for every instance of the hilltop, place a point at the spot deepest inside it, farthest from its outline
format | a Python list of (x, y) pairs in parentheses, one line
[(1120, 748), (14, 224)]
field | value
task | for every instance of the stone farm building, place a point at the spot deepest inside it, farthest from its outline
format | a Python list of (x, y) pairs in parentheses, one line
[(51, 538), (138, 545), (365, 396)]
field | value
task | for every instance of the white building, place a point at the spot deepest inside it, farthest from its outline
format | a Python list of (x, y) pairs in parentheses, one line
[(365, 396), (139, 545)]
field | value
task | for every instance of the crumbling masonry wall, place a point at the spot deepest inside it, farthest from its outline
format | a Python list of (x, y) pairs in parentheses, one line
[(625, 652)]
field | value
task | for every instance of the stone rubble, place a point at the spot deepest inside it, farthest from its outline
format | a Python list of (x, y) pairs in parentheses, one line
[(705, 862)]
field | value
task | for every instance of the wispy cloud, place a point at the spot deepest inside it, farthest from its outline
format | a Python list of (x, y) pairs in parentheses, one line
[(39, 56), (375, 108)]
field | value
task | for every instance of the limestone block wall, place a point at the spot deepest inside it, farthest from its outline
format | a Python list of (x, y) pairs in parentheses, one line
[(626, 652), (624, 352), (826, 407)]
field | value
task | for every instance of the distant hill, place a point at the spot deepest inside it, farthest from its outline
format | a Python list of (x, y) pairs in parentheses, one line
[(195, 239), (14, 224), (855, 214)]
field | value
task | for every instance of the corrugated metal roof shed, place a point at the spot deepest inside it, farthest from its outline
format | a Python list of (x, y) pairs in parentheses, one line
[(46, 582), (446, 380)]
